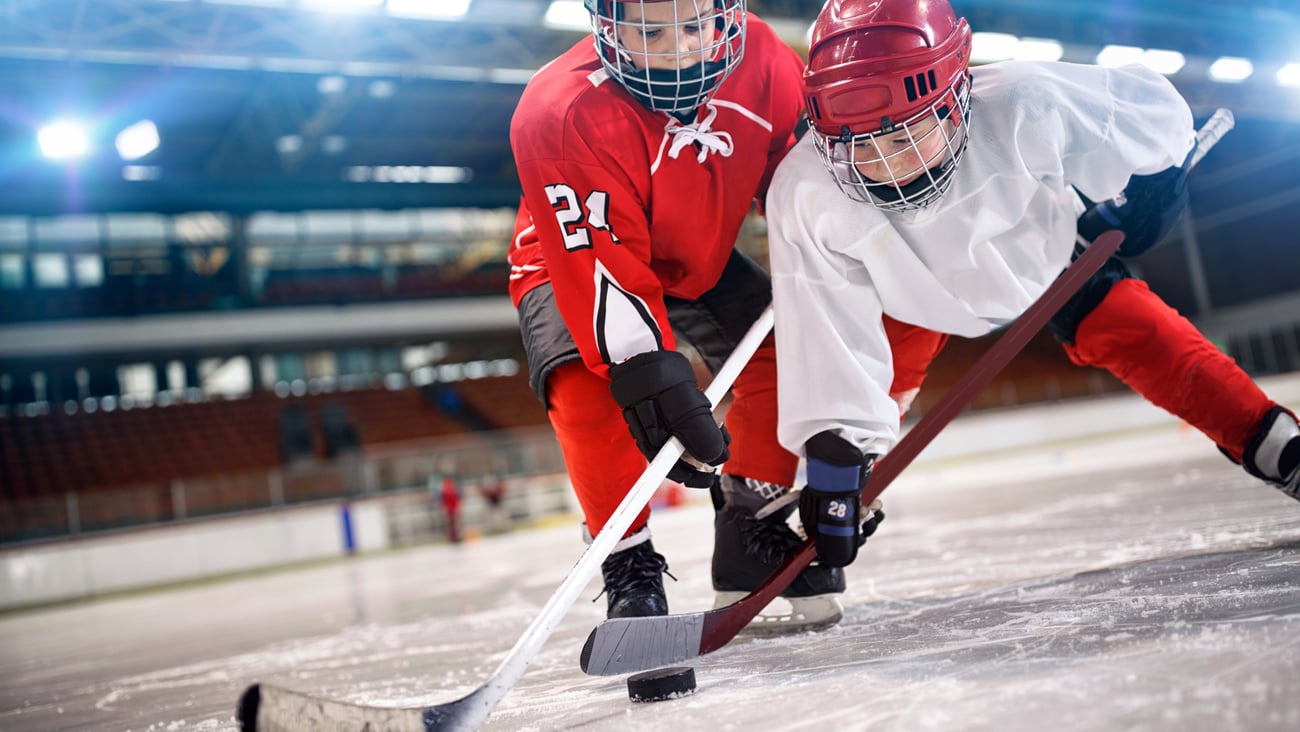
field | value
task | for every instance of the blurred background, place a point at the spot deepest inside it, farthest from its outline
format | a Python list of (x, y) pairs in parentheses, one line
[(252, 255)]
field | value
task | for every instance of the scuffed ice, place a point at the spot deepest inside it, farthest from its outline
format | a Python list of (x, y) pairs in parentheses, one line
[(1142, 585)]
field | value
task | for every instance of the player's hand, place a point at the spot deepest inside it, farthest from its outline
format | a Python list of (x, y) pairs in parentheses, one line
[(660, 399), (1146, 211), (830, 505)]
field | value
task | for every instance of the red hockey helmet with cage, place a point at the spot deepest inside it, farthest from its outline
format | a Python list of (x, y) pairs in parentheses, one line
[(887, 89), (876, 63), (690, 77)]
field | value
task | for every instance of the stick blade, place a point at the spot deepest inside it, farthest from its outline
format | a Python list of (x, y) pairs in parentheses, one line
[(624, 645), (269, 708)]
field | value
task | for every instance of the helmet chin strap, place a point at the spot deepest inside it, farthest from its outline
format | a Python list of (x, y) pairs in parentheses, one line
[(889, 192), (676, 91)]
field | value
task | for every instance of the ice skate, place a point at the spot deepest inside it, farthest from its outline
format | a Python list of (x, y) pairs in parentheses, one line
[(1274, 454), (634, 579), (750, 543)]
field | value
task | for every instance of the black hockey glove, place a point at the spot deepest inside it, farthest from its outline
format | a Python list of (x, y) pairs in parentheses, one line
[(660, 399), (1146, 211), (830, 505)]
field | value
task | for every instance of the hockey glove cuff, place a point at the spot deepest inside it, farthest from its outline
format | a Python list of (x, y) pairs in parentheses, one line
[(1146, 211), (830, 505), (660, 400)]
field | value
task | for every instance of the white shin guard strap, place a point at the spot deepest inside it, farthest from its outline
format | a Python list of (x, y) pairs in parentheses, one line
[(627, 542)]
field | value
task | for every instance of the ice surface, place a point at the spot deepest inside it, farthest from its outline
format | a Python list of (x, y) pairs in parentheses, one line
[(1141, 583)]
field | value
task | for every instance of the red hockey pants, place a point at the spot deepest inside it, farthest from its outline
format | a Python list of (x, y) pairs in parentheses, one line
[(1159, 354), (604, 462)]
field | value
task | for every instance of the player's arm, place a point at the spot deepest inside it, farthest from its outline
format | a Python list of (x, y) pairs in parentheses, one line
[(834, 372), (1146, 137), (595, 240)]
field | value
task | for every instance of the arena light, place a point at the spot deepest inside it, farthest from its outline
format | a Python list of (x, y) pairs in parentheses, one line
[(1231, 69), (137, 173), (63, 140), (1164, 62), (288, 144), (1289, 75), (1039, 49), (407, 174), (988, 47), (138, 140), (332, 84), (567, 15), (427, 9), (1113, 57)]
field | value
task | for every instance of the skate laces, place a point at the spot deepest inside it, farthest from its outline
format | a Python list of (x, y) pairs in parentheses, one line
[(639, 568), (769, 540)]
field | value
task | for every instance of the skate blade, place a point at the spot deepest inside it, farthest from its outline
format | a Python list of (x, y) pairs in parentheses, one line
[(805, 614)]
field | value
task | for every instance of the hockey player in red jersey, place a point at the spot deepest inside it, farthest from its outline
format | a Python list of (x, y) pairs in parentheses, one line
[(953, 200), (640, 152)]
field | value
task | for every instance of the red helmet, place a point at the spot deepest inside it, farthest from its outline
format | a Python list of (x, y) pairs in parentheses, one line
[(691, 76), (876, 67)]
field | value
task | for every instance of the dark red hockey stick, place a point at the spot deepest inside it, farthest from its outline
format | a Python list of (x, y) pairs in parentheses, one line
[(624, 645)]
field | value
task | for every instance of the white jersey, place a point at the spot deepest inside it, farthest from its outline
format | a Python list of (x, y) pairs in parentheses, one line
[(967, 264)]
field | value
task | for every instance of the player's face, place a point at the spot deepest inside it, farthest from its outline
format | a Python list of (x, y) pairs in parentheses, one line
[(903, 156), (668, 35)]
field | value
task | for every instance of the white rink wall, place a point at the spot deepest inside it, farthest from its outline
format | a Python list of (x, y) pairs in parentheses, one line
[(82, 567), (85, 567)]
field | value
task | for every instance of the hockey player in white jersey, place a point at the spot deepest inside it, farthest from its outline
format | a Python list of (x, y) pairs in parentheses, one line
[(953, 200)]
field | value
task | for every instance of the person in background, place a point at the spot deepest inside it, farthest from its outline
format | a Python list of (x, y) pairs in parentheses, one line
[(950, 198), (449, 495)]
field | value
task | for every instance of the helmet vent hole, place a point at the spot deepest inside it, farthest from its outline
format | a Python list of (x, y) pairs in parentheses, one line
[(814, 107), (919, 85)]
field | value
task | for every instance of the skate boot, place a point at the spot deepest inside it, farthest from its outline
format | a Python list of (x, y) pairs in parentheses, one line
[(751, 539), (1274, 453), (634, 578)]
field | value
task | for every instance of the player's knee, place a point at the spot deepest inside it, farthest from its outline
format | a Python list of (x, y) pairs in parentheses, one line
[(1065, 324)]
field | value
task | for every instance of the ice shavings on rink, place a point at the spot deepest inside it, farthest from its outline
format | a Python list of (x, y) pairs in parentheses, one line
[(1112, 587)]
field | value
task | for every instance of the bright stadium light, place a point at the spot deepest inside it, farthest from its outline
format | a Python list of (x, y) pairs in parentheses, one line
[(332, 84), (988, 47), (1231, 69), (1113, 57), (1289, 75), (141, 172), (567, 15), (1162, 61), (440, 10), (63, 140), (1038, 49), (138, 140)]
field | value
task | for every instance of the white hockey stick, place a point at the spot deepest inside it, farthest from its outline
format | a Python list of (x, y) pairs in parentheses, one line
[(268, 708)]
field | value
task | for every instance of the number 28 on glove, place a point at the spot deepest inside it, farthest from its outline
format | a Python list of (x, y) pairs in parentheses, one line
[(830, 506)]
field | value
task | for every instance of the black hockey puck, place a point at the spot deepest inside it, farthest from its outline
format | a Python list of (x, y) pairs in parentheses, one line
[(661, 684), (246, 713)]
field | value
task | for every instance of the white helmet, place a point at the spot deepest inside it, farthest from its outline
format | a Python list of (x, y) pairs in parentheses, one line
[(671, 55)]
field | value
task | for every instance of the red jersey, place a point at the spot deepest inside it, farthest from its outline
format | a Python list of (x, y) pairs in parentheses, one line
[(622, 206)]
